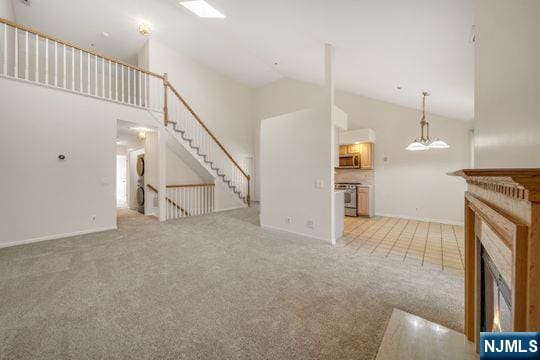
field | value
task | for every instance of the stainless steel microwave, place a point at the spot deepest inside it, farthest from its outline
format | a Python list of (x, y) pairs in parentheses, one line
[(349, 161)]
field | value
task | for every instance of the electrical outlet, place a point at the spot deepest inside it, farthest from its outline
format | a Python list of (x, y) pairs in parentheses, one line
[(289, 220), (310, 224)]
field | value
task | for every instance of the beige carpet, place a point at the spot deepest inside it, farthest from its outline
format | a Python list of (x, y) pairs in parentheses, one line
[(209, 287)]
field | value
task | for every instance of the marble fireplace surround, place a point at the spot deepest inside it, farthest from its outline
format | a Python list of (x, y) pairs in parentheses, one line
[(502, 213)]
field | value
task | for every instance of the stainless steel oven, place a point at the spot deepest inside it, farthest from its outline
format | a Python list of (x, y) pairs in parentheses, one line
[(349, 161), (351, 198)]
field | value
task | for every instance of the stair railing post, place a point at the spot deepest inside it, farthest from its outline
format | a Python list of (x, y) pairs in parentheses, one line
[(165, 106), (248, 190)]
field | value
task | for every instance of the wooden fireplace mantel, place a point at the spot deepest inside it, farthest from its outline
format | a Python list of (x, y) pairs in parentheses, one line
[(506, 204)]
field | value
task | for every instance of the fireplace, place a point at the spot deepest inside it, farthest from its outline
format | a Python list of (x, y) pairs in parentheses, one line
[(495, 297), (502, 250)]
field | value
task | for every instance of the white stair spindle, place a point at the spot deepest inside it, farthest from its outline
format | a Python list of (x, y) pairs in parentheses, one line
[(64, 67), (26, 55), (47, 61), (36, 76), (80, 71), (88, 87), (16, 63), (72, 69), (102, 77), (140, 88), (55, 63), (4, 67), (110, 82), (129, 85), (116, 81), (123, 96), (95, 76)]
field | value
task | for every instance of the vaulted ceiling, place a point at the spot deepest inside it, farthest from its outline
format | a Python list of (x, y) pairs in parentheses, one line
[(380, 44)]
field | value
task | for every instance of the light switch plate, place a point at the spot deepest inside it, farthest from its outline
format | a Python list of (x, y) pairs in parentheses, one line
[(319, 184)]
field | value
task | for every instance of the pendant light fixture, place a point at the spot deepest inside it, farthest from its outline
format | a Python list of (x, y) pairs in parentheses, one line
[(424, 142)]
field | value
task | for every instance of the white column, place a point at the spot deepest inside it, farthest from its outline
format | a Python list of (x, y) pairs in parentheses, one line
[(161, 172), (329, 103)]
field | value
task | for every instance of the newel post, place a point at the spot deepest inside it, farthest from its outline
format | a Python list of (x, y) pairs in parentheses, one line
[(165, 106)]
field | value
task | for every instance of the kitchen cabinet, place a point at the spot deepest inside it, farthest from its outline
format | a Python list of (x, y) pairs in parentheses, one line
[(365, 201), (366, 156), (343, 149), (353, 149)]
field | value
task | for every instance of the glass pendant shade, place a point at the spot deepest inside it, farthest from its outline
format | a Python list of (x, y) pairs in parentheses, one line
[(416, 146), (438, 144)]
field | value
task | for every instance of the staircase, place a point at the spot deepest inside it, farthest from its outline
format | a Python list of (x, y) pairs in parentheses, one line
[(31, 56), (188, 128)]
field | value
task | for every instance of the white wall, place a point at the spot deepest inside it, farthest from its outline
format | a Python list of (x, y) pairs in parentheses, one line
[(409, 184), (224, 105), (285, 192), (507, 83), (6, 10), (43, 197)]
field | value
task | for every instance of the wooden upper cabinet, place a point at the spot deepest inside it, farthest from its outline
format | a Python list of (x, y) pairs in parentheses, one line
[(366, 155), (343, 149), (353, 149)]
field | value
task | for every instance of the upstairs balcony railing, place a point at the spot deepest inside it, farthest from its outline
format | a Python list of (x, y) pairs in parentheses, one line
[(29, 55)]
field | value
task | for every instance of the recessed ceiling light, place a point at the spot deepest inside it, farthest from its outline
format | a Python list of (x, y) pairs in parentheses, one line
[(202, 9), (104, 34)]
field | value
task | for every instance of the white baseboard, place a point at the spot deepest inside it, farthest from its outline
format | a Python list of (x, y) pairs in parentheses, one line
[(269, 227), (231, 208), (442, 221), (56, 236)]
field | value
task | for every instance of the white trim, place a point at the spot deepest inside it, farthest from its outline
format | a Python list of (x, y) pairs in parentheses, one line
[(328, 241), (56, 236), (442, 221), (230, 208)]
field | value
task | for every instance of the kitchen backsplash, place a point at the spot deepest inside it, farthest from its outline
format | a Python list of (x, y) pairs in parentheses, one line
[(366, 177)]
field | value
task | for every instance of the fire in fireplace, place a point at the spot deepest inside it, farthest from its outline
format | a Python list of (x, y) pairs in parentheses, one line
[(496, 313)]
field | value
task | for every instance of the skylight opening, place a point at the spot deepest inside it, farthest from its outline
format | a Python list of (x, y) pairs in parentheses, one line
[(202, 9)]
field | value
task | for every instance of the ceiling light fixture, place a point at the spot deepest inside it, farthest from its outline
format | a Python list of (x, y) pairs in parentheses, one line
[(145, 28), (425, 143), (202, 9)]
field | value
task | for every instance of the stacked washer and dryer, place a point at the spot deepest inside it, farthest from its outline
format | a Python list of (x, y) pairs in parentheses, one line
[(140, 184)]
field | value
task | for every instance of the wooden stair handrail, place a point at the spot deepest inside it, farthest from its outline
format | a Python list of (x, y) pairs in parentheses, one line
[(35, 32), (169, 200), (206, 128), (189, 185)]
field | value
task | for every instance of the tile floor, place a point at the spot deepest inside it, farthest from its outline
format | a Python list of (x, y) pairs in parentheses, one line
[(428, 244)]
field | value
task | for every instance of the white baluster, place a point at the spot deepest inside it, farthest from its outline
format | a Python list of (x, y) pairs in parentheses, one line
[(88, 74), (123, 96), (73, 69), (102, 77), (116, 81), (64, 67), (46, 61), (5, 50), (80, 71), (110, 89), (16, 63), (95, 76), (55, 63), (129, 85), (37, 59), (140, 88), (26, 56)]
